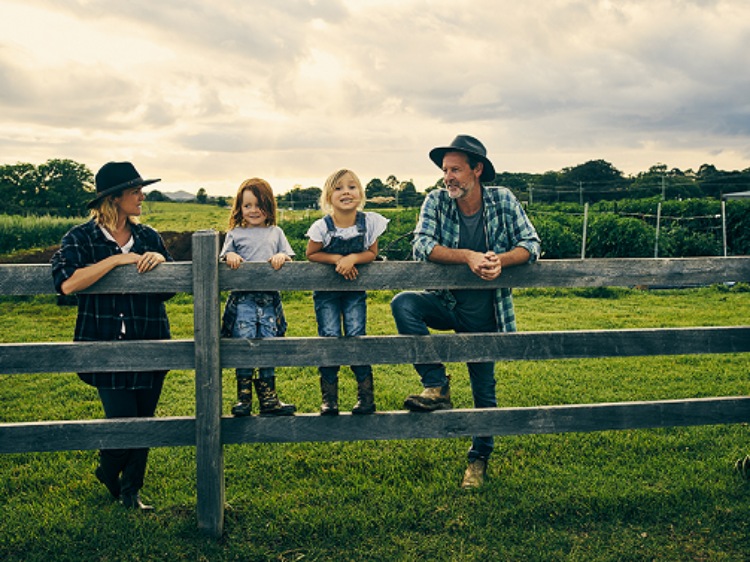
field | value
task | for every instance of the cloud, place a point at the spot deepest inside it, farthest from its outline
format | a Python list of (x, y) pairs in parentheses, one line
[(301, 87)]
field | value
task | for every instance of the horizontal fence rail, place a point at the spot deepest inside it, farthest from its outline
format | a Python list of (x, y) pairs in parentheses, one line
[(181, 431), (376, 350), (207, 354), (17, 279)]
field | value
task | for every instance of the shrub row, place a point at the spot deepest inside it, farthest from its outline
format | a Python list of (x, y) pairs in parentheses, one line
[(615, 229), (23, 233), (626, 229)]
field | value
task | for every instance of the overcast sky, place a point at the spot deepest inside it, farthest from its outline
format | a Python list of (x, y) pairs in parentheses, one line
[(208, 93)]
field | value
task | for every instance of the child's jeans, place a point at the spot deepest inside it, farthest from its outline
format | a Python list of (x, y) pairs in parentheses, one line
[(334, 308), (256, 318)]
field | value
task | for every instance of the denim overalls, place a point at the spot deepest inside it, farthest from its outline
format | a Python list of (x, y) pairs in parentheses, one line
[(254, 314), (331, 307)]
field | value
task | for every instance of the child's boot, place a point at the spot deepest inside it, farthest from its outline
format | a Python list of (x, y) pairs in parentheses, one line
[(365, 397), (330, 393), (244, 405), (270, 405)]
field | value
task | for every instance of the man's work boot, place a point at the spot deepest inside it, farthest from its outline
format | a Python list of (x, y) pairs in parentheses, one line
[(475, 474), (431, 399)]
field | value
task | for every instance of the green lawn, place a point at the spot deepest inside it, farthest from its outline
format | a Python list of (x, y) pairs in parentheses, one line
[(632, 495)]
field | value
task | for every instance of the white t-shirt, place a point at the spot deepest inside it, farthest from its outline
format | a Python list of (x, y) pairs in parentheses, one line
[(257, 243), (375, 225)]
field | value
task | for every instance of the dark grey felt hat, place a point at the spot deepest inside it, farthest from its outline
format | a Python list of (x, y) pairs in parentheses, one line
[(469, 145), (114, 177)]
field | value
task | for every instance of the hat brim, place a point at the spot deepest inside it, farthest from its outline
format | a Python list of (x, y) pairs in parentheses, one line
[(112, 190), (488, 170)]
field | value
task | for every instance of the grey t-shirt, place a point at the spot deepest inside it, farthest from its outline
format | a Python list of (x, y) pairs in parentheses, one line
[(257, 243), (475, 308)]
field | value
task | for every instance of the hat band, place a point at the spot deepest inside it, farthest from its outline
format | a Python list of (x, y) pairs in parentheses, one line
[(127, 184)]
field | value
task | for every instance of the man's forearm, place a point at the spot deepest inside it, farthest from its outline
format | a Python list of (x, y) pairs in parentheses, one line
[(516, 256), (451, 256)]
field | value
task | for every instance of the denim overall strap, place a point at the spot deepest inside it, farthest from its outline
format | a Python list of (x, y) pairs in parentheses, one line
[(338, 245)]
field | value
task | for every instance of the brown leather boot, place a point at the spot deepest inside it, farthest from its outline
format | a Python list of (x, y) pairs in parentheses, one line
[(330, 394), (431, 399), (475, 474), (365, 397), (244, 405), (270, 405)]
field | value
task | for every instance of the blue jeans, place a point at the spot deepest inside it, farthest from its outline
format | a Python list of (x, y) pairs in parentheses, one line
[(255, 319), (334, 308), (415, 313)]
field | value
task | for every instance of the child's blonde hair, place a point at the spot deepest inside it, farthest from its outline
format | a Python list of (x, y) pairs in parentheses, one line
[(332, 181), (106, 212), (266, 201)]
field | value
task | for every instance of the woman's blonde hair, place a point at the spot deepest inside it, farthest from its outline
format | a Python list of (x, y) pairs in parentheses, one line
[(106, 213), (332, 181), (266, 201)]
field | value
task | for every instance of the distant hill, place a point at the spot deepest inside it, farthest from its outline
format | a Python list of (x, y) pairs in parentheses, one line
[(178, 195)]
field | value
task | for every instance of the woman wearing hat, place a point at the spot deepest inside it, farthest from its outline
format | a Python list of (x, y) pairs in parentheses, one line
[(113, 237)]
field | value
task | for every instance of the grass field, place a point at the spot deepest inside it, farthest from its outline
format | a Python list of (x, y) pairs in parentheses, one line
[(666, 494)]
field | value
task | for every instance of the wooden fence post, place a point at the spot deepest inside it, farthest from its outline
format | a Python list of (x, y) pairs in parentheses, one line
[(209, 452)]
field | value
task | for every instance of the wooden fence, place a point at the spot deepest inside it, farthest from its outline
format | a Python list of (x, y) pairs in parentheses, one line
[(208, 354)]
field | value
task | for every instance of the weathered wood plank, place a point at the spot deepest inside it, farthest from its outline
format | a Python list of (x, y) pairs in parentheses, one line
[(451, 348), (209, 452), (180, 431), (448, 348), (36, 279), (31, 279), (304, 276), (545, 273), (74, 357), (83, 435), (491, 421)]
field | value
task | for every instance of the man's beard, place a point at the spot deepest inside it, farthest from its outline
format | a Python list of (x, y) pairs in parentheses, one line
[(458, 191)]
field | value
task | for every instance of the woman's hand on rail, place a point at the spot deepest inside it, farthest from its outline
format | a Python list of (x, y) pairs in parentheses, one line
[(148, 261)]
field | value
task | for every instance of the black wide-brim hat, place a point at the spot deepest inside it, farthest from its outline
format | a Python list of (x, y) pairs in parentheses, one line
[(114, 177), (469, 145)]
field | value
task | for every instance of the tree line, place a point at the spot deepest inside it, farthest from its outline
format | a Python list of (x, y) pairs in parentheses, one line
[(62, 187)]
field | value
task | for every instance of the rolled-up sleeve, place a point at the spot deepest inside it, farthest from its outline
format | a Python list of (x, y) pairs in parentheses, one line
[(67, 259), (509, 226), (524, 233)]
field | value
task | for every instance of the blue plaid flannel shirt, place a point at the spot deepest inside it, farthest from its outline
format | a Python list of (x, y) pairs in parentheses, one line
[(507, 226)]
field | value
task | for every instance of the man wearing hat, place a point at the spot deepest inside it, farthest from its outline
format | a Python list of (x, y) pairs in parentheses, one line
[(486, 229)]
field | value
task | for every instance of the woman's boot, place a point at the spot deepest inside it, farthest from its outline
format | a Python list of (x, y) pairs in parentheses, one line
[(365, 397), (132, 480), (244, 405), (330, 393), (270, 405), (111, 463)]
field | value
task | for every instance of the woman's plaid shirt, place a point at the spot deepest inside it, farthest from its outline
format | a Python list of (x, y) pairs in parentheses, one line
[(101, 316)]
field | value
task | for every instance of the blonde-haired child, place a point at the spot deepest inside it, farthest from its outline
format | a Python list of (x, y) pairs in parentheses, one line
[(345, 237), (253, 236)]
